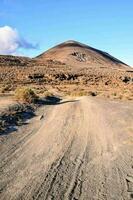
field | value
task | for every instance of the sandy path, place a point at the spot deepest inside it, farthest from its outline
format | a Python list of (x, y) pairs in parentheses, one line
[(81, 149), (5, 102)]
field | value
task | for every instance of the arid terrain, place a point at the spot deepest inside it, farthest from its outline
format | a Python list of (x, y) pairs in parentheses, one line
[(78, 150), (70, 67), (76, 141)]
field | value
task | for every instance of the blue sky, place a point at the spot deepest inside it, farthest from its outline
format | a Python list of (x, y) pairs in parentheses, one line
[(106, 25)]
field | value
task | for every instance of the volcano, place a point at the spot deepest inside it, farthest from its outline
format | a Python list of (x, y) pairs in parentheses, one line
[(79, 55)]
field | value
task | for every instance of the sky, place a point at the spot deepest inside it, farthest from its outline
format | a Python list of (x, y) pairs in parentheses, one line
[(29, 27)]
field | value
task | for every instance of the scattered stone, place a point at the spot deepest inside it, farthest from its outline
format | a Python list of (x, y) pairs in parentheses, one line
[(80, 56), (41, 117)]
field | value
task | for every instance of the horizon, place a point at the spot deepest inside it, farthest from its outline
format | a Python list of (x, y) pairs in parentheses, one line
[(106, 26)]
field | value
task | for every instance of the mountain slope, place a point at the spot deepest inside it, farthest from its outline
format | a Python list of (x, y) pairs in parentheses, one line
[(9, 60), (80, 55), (70, 67)]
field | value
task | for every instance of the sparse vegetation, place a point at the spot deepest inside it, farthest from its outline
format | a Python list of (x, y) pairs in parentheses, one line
[(114, 94), (82, 93), (93, 93), (5, 88), (48, 94), (14, 116), (77, 93), (25, 95), (102, 78)]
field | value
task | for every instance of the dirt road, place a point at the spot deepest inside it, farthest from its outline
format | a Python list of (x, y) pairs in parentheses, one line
[(80, 149), (5, 102)]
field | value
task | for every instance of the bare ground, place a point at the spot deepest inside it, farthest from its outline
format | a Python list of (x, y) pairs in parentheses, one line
[(80, 149), (5, 101)]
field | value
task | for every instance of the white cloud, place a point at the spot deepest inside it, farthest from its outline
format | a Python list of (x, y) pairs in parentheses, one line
[(11, 41)]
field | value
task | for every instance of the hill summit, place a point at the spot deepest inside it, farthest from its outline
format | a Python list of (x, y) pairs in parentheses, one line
[(80, 55)]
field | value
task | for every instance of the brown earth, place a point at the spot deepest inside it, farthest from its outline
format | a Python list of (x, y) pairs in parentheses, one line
[(69, 67), (80, 56), (80, 149), (76, 148)]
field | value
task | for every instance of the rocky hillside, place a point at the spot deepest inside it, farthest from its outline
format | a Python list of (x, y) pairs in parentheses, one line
[(13, 60), (80, 55), (68, 67)]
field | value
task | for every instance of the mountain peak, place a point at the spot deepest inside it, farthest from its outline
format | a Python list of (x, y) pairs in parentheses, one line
[(71, 41), (74, 53)]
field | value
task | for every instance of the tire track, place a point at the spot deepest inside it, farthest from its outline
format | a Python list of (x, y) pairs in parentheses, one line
[(77, 153)]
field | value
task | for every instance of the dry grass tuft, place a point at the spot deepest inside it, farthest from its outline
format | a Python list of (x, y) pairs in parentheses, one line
[(25, 95), (81, 93), (47, 94)]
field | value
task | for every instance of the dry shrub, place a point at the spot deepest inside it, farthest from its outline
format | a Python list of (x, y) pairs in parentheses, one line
[(25, 95), (5, 88), (82, 93), (47, 94), (77, 93), (91, 93)]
